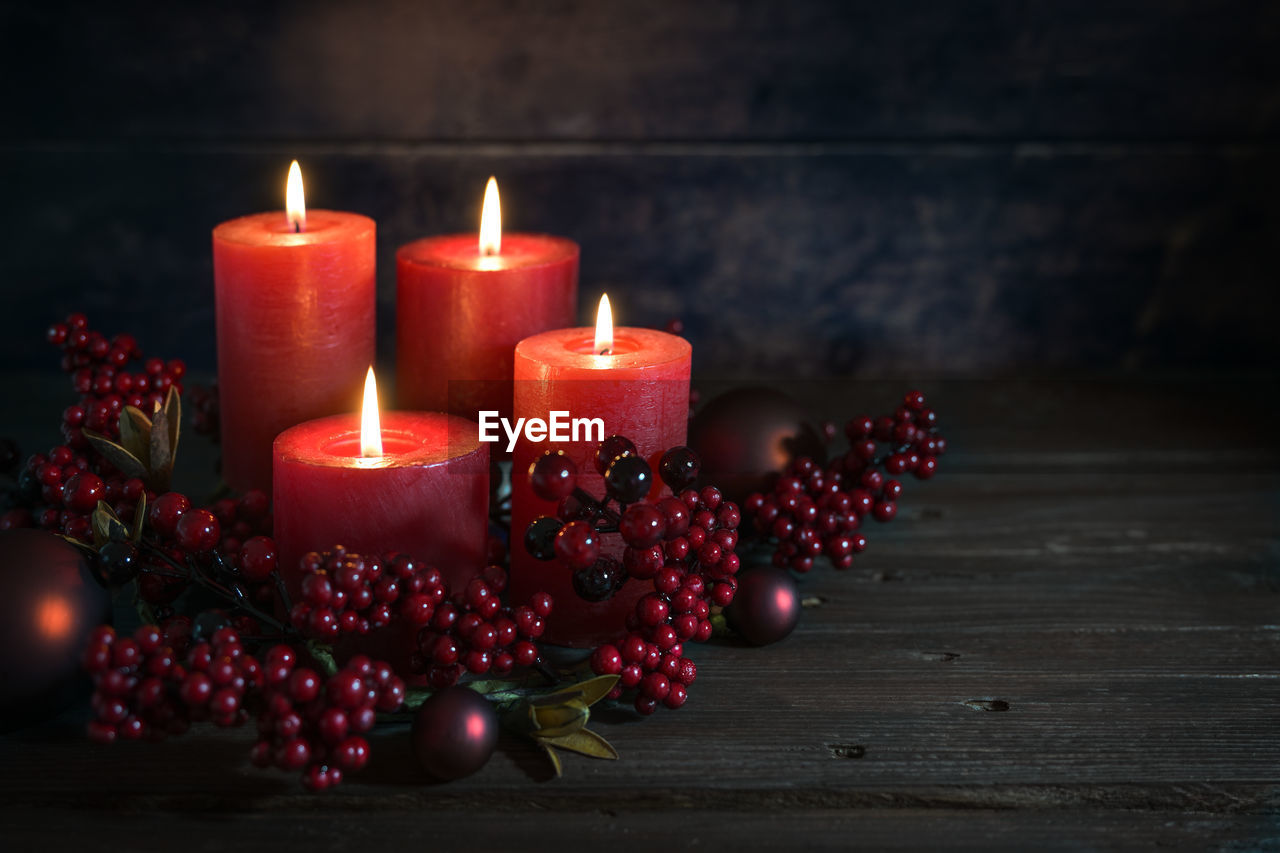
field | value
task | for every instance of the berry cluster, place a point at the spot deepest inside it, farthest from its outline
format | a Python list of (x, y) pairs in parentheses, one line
[(145, 686), (685, 544), (468, 632), (58, 490), (100, 375), (317, 725), (203, 545), (815, 510)]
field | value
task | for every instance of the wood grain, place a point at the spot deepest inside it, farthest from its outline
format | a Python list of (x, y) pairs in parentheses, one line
[(1077, 659)]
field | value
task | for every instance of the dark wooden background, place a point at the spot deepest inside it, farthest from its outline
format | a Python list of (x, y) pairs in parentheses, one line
[(817, 188)]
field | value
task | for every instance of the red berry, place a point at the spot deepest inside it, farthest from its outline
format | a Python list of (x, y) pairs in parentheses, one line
[(606, 660), (166, 511), (82, 492), (198, 531), (577, 545), (257, 558), (642, 525)]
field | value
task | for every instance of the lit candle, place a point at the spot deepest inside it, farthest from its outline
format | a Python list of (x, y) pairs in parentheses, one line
[(637, 382), (295, 298), (463, 303), (413, 482)]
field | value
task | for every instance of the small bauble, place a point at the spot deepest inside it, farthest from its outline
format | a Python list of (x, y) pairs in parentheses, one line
[(746, 436), (454, 733), (766, 607), (49, 602)]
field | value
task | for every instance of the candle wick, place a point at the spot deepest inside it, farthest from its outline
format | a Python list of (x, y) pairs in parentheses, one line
[(297, 227), (605, 351)]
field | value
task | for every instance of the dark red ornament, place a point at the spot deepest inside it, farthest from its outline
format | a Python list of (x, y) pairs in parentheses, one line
[(766, 607), (49, 604), (454, 733), (746, 436)]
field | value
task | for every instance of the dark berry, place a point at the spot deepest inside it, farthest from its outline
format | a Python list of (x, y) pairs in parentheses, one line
[(628, 479), (540, 537), (610, 449), (679, 468), (118, 562), (553, 476), (598, 581)]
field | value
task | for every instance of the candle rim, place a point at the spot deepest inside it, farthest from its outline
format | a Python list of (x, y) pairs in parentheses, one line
[(323, 226), (554, 348), (409, 252), (396, 427)]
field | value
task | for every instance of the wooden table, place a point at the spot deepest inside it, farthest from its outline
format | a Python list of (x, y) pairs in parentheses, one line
[(1069, 639)]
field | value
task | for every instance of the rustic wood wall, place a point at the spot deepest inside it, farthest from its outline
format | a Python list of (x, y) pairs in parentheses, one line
[(814, 187)]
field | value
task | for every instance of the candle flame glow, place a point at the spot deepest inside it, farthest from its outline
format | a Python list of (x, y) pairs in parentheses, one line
[(370, 424), (295, 204), (491, 220), (604, 327)]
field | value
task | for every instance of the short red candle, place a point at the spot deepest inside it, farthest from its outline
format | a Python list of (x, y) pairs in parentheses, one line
[(460, 314), (426, 496), (640, 390), (296, 328)]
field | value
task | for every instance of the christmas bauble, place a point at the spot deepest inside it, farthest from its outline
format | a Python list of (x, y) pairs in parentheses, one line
[(49, 602), (454, 733), (746, 436), (766, 607)]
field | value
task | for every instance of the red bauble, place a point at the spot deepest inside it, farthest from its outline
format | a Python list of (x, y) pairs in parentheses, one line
[(454, 733), (766, 607), (746, 436), (49, 603)]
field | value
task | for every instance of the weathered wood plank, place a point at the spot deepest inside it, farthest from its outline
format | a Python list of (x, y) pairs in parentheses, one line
[(620, 829), (803, 69), (871, 262)]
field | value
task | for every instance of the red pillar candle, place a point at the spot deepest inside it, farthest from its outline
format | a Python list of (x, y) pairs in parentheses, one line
[(424, 492), (462, 304), (295, 298), (641, 391)]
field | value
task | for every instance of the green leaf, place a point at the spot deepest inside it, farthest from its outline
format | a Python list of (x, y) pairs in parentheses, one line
[(106, 526), (173, 414), (135, 432), (560, 719), (139, 515), (555, 760), (124, 461), (595, 689), (586, 742), (323, 656), (161, 461)]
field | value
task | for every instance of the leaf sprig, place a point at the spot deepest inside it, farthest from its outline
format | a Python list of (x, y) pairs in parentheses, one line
[(147, 445)]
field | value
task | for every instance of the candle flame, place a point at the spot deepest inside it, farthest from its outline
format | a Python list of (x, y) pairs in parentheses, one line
[(370, 425), (295, 204), (604, 327), (491, 220)]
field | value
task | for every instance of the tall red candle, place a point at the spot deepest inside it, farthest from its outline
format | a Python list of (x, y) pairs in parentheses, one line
[(641, 391), (425, 494), (462, 305), (296, 327)]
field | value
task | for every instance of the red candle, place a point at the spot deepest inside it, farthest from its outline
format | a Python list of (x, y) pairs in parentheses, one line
[(295, 297), (423, 490), (640, 390), (463, 304)]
